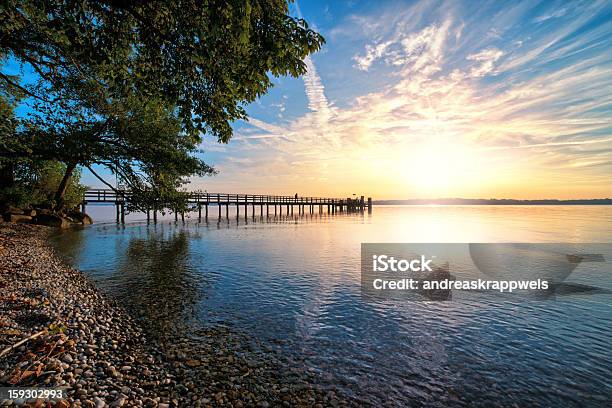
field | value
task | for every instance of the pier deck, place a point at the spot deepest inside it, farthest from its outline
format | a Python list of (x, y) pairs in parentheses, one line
[(200, 202)]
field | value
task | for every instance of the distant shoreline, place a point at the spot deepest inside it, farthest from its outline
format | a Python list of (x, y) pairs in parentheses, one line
[(481, 201)]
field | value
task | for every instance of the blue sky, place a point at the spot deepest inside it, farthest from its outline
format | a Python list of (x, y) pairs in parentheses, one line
[(435, 99)]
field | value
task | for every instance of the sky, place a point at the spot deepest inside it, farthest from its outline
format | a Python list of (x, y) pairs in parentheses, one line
[(431, 99)]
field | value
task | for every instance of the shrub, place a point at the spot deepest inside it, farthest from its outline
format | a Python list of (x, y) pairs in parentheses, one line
[(36, 183)]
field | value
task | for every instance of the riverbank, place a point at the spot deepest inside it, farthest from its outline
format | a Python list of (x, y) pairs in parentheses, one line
[(87, 343)]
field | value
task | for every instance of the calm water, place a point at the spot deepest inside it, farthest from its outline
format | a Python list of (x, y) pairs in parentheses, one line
[(293, 285)]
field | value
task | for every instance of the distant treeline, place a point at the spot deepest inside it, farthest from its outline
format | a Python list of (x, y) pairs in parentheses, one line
[(492, 201)]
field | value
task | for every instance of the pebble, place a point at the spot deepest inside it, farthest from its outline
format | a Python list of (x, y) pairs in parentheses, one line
[(118, 403)]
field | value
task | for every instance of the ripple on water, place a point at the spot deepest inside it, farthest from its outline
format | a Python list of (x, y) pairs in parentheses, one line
[(294, 287)]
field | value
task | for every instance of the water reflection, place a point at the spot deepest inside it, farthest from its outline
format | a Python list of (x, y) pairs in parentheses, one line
[(154, 278), (148, 269), (293, 284)]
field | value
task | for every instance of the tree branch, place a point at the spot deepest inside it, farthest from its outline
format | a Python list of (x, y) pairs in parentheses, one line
[(104, 181), (14, 84), (19, 343)]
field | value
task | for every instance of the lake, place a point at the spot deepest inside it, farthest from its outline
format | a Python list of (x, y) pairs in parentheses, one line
[(291, 285)]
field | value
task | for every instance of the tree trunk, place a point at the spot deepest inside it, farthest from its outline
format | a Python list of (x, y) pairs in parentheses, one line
[(7, 179), (7, 175), (63, 186)]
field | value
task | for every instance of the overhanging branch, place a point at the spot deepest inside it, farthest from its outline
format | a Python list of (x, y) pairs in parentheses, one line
[(104, 181), (14, 84)]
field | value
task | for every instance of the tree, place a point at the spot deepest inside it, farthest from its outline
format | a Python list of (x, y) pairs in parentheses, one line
[(105, 68), (9, 97), (139, 141), (37, 182), (7, 133)]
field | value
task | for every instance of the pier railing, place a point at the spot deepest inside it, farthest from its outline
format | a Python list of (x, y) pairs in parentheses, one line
[(202, 200)]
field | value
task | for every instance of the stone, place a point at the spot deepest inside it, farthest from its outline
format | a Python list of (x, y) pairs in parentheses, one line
[(31, 213), (99, 402), (87, 220), (193, 363), (19, 219), (81, 218), (52, 220), (119, 402), (67, 358), (13, 210)]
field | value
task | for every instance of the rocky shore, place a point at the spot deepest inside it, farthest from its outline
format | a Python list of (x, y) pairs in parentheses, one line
[(79, 339), (88, 345), (44, 216)]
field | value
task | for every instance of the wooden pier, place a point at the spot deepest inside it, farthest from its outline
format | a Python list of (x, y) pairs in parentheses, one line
[(204, 204)]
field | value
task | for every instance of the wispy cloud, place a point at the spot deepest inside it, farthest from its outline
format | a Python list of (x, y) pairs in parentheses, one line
[(486, 59), (554, 14), (315, 91), (460, 111), (412, 52)]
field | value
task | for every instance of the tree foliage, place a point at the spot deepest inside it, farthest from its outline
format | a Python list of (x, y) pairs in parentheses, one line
[(36, 185), (206, 57), (133, 85)]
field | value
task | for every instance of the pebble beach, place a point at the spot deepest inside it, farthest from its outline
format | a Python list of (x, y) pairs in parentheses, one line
[(58, 330)]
